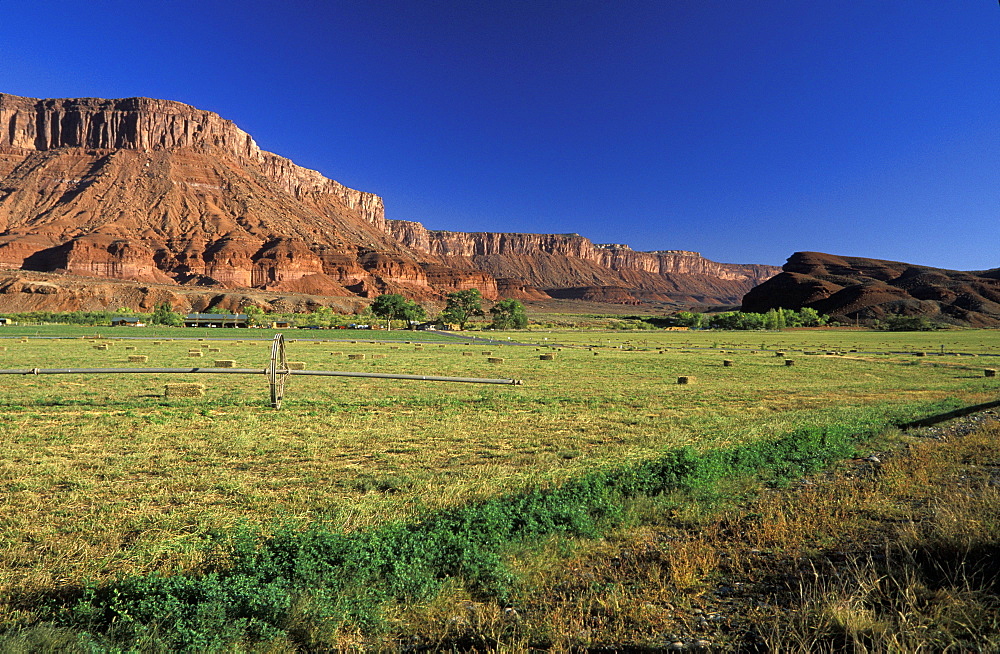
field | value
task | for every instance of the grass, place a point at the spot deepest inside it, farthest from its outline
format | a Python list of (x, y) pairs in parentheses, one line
[(105, 477)]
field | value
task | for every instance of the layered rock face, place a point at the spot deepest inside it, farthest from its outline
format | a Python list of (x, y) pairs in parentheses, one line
[(159, 192), (571, 266), (851, 288)]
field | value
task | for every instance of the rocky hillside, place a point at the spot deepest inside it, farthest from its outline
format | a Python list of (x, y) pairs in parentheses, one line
[(852, 288), (571, 266), (159, 192)]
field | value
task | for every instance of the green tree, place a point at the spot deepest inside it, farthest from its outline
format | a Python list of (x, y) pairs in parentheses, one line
[(691, 320), (775, 319), (393, 306), (462, 306), (164, 314), (255, 315), (318, 317), (809, 317), (509, 314)]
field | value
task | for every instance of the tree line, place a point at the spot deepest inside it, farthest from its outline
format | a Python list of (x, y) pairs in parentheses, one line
[(460, 308), (775, 319)]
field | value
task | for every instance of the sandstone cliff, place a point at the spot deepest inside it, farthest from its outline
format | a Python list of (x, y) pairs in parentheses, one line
[(856, 288), (569, 265), (159, 192)]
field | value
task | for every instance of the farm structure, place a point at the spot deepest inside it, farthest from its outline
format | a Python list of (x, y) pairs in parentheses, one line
[(216, 320), (277, 373)]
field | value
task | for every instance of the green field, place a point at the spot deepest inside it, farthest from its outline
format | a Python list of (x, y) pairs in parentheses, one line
[(104, 476)]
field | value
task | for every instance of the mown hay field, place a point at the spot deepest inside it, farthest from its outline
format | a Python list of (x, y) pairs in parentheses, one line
[(104, 476)]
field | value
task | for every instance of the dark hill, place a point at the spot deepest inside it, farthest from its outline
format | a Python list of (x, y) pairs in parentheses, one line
[(855, 288)]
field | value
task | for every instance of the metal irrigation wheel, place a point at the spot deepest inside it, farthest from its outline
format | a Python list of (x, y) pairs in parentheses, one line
[(278, 371)]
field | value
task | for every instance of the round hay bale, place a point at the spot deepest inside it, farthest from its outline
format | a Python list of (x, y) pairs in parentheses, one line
[(137, 358), (789, 362), (225, 363), (494, 360), (296, 365), (356, 357), (686, 379), (990, 372), (183, 390), (546, 357), (728, 363)]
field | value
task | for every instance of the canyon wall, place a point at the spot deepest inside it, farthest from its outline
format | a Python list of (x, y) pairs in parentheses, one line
[(147, 125), (555, 261), (159, 192)]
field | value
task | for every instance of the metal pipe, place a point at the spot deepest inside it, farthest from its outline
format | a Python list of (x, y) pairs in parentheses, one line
[(253, 371), (379, 375)]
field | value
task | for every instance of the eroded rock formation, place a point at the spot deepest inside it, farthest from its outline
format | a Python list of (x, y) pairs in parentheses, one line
[(158, 192), (855, 288), (571, 266)]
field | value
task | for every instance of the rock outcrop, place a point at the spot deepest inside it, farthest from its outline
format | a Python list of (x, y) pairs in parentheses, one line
[(855, 288), (158, 192), (571, 266)]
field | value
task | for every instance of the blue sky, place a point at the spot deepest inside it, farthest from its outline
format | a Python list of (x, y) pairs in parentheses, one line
[(744, 129)]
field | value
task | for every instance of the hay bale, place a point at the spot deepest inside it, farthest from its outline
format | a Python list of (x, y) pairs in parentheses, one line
[(196, 353), (225, 363), (336, 354), (156, 342), (686, 379), (468, 354), (990, 372), (393, 347), (215, 349), (487, 354), (296, 365), (100, 347), (494, 360), (201, 339), (356, 357), (183, 390), (137, 358), (779, 354), (379, 356), (129, 347), (3, 348), (919, 354), (789, 362), (727, 363), (546, 357)]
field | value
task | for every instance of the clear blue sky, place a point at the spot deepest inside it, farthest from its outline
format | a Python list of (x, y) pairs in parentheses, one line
[(744, 129)]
